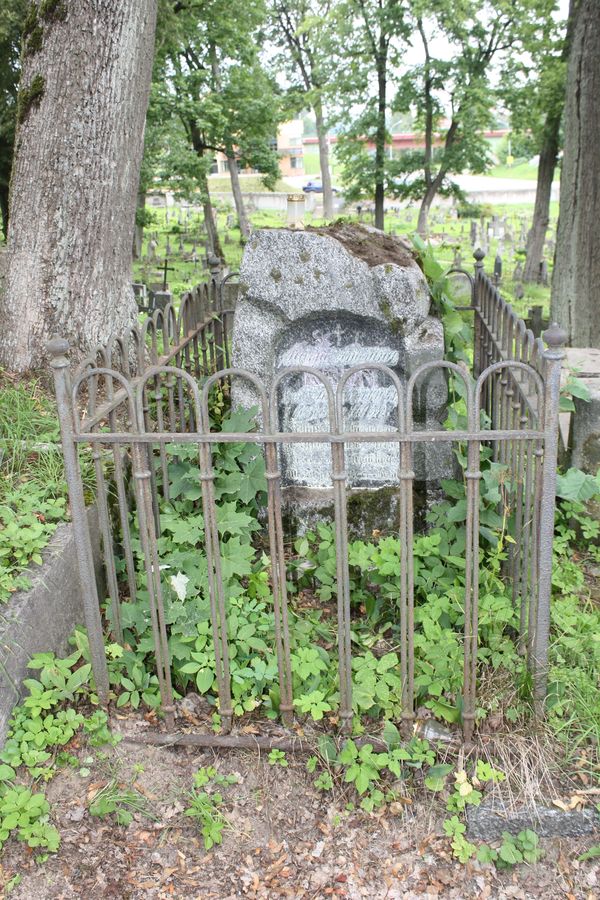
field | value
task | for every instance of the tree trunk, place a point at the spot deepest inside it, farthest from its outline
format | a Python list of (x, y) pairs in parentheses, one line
[(238, 199), (576, 282), (4, 208), (422, 221), (82, 106), (541, 212), (380, 147), (138, 231), (324, 160), (209, 221)]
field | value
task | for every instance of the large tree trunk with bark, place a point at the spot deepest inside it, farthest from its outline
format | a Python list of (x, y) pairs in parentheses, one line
[(541, 211), (576, 280), (236, 190), (82, 105), (324, 160)]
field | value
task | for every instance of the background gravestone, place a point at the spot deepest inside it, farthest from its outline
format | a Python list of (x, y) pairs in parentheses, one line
[(331, 299)]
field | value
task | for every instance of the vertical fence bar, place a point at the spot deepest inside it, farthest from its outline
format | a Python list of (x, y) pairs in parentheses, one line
[(555, 339), (472, 476), (407, 625), (338, 475), (215, 580), (278, 577), (58, 349)]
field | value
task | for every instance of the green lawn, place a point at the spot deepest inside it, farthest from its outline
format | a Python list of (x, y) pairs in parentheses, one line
[(523, 171), (446, 236), (249, 183)]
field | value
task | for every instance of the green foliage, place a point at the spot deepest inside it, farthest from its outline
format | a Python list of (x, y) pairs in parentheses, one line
[(205, 804), (40, 727), (278, 758), (121, 800), (25, 814)]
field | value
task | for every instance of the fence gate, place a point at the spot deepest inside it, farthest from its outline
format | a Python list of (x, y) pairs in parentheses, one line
[(136, 402)]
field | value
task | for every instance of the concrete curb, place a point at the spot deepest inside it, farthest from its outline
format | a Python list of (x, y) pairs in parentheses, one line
[(42, 618)]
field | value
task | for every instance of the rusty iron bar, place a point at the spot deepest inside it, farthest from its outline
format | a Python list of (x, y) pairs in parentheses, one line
[(516, 387)]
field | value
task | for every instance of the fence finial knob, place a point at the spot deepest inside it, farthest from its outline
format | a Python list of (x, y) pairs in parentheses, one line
[(57, 346), (479, 255), (555, 336)]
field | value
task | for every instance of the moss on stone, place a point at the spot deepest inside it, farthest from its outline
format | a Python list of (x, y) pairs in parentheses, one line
[(304, 256), (30, 96), (396, 324), (299, 279), (276, 275)]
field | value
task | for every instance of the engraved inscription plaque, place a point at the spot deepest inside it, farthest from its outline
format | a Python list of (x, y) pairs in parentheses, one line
[(332, 346)]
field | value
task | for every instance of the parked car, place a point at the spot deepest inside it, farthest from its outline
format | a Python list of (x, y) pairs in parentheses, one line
[(315, 187)]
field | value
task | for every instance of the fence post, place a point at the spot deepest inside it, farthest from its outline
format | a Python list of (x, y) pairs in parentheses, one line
[(478, 366), (553, 356), (58, 348)]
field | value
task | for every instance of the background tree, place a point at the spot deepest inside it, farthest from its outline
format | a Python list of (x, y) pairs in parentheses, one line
[(370, 36), (214, 83), (80, 111), (534, 91), (12, 17), (303, 28), (576, 279)]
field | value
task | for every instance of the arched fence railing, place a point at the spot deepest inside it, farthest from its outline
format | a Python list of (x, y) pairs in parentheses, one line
[(143, 397)]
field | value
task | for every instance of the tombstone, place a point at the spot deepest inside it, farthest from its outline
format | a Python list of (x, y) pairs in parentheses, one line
[(519, 292), (141, 295), (543, 276), (230, 222), (181, 245), (498, 268), (518, 272), (330, 300), (152, 245), (168, 251), (495, 225), (473, 235), (457, 261)]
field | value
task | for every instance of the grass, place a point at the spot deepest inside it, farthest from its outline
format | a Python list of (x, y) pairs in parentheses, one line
[(26, 417), (522, 171), (447, 236), (251, 184)]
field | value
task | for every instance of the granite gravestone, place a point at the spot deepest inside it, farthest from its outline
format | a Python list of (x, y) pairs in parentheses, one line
[(331, 299)]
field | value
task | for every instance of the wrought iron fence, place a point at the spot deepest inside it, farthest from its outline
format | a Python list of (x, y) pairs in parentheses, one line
[(148, 391)]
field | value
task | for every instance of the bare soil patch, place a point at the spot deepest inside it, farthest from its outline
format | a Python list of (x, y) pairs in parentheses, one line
[(284, 839)]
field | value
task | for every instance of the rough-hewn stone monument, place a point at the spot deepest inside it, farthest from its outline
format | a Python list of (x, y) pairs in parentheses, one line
[(331, 299)]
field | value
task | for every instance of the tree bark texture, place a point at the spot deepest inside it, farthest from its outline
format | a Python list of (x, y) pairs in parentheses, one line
[(83, 99), (324, 160), (576, 280), (541, 211), (236, 190)]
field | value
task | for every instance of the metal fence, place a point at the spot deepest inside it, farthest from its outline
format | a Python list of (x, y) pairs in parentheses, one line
[(149, 390)]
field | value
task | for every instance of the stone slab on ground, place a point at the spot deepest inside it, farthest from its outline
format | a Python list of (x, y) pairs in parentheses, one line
[(42, 618), (487, 821)]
